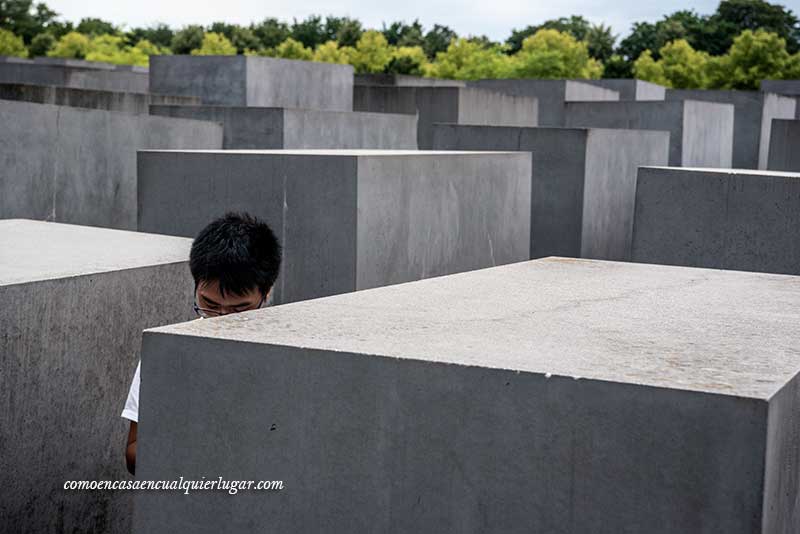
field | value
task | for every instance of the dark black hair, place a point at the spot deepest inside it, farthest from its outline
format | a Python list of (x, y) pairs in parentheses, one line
[(237, 250)]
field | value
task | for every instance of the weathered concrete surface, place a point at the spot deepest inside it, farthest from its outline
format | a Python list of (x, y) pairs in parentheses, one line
[(351, 220), (783, 87), (551, 95), (455, 105), (254, 81), (75, 301), (784, 147), (559, 396), (753, 114), (631, 89), (583, 182), (78, 165), (89, 98), (81, 77), (265, 128), (404, 80), (722, 219), (701, 133)]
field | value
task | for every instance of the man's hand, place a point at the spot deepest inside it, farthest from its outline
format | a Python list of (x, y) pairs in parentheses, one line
[(130, 450)]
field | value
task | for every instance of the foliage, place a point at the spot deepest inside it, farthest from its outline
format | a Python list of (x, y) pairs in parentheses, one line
[(271, 32), (187, 39), (468, 60), (291, 49), (215, 44), (755, 56), (552, 54), (372, 53), (11, 45), (73, 45), (92, 27), (25, 19), (331, 52), (408, 60), (159, 34), (437, 40), (402, 34), (42, 44)]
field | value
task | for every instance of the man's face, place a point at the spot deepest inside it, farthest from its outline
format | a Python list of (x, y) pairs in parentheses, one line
[(211, 303)]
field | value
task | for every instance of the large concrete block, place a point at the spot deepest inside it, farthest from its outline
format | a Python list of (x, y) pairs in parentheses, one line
[(583, 182), (721, 219), (457, 105), (351, 220), (783, 87), (753, 114), (79, 166), (254, 81), (80, 76), (631, 89), (89, 98), (263, 128), (75, 301), (701, 133), (559, 396), (404, 80), (784, 146), (551, 95)]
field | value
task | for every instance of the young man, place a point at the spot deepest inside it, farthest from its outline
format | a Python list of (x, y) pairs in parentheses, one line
[(234, 262)]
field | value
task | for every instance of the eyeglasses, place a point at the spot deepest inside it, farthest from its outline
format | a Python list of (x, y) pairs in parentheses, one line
[(206, 313)]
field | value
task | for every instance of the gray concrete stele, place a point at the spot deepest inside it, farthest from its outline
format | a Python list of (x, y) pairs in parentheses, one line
[(75, 74), (718, 218), (455, 105), (78, 166), (784, 146), (254, 81), (753, 114), (631, 89), (75, 302), (583, 182), (350, 220), (275, 128), (553, 396), (701, 133)]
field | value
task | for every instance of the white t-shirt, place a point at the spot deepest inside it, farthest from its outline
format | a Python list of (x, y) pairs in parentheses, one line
[(131, 411)]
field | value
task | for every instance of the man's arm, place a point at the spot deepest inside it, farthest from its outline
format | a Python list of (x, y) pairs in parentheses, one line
[(130, 450)]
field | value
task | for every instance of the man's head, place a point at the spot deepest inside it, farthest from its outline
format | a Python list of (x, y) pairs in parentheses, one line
[(234, 261)]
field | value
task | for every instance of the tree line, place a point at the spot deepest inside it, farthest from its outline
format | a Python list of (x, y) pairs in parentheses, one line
[(739, 44)]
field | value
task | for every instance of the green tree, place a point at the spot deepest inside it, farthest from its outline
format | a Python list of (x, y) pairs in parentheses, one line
[(158, 34), (271, 32), (92, 27), (187, 39), (42, 44), (437, 40), (25, 19), (408, 60), (600, 42), (554, 54), (292, 49), (402, 34), (215, 44), (108, 49), (241, 38), (310, 31), (343, 30), (331, 52), (73, 45), (683, 66), (754, 56), (648, 69), (617, 67), (372, 53), (11, 45), (735, 16), (467, 60)]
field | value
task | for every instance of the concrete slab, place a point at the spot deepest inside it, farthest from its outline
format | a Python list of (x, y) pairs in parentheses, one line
[(631, 89), (455, 105), (722, 219), (75, 301), (350, 219), (75, 165), (783, 87), (66, 74), (701, 133), (784, 147), (560, 396), (551, 95), (89, 98), (753, 114), (583, 182), (254, 81), (404, 80), (269, 128)]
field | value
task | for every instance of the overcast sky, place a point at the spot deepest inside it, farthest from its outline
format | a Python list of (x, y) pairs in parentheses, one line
[(494, 18)]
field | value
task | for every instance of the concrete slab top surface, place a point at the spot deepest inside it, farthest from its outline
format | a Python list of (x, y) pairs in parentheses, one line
[(32, 251), (709, 170), (339, 152), (721, 332)]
